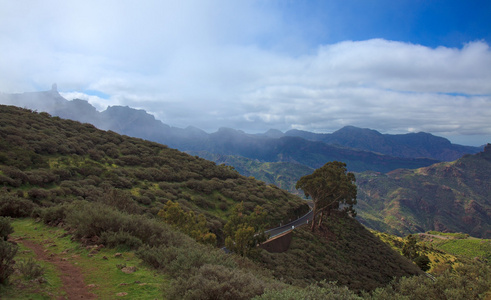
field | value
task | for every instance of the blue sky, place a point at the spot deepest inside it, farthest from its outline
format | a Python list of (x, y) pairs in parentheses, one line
[(432, 23), (394, 66)]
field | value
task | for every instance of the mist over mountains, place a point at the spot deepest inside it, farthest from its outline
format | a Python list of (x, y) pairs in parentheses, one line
[(362, 149)]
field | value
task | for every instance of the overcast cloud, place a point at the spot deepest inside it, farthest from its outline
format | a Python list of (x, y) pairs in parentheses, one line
[(239, 64)]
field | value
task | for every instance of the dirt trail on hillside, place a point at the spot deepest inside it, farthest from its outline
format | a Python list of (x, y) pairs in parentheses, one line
[(441, 237), (71, 277)]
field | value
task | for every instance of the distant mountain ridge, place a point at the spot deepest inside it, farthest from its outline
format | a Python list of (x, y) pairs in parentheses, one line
[(270, 146), (413, 145)]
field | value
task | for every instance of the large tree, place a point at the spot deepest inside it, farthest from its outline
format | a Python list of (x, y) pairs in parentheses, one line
[(330, 187)]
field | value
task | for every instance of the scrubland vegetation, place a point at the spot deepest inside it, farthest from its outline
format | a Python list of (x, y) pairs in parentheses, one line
[(98, 188)]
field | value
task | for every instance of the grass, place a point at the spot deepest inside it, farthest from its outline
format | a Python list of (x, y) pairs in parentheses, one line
[(101, 268), (461, 244), (469, 248)]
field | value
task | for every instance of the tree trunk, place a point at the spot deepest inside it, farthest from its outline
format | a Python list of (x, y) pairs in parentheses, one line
[(314, 210)]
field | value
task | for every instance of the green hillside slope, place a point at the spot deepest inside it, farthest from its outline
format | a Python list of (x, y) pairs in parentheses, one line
[(107, 189), (282, 174), (342, 251), (50, 160)]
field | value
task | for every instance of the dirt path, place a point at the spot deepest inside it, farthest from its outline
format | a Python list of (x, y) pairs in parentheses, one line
[(441, 237), (71, 277)]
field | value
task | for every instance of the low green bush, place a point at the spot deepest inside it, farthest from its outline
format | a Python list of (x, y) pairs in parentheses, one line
[(181, 261), (92, 219), (318, 291), (53, 215), (7, 254), (216, 282), (15, 207), (30, 269), (122, 240), (5, 228), (469, 281), (96, 219)]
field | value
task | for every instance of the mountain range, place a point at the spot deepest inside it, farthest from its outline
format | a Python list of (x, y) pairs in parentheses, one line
[(282, 158), (362, 149)]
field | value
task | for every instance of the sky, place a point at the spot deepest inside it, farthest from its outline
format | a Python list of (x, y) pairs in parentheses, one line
[(393, 66)]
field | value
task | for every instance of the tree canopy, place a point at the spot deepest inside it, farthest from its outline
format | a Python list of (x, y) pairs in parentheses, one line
[(330, 187), (244, 232), (188, 222)]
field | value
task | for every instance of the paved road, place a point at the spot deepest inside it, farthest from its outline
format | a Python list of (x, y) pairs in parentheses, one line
[(287, 227), (292, 225)]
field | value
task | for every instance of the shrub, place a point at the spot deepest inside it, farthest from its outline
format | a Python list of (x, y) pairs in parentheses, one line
[(121, 239), (180, 261), (53, 215), (152, 256), (120, 200), (216, 282), (4, 180), (15, 207), (469, 281), (37, 194), (7, 253), (187, 222), (144, 200), (93, 219), (321, 290), (41, 177), (15, 174), (5, 228), (423, 262), (223, 206), (30, 269)]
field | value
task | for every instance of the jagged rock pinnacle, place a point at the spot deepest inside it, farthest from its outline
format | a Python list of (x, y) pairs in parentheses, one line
[(54, 88)]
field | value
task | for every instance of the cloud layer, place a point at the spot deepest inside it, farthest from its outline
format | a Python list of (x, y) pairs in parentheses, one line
[(216, 63)]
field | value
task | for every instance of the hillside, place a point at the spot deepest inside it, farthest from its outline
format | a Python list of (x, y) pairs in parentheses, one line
[(447, 197), (445, 251), (459, 244), (282, 174), (342, 251), (107, 189), (51, 160)]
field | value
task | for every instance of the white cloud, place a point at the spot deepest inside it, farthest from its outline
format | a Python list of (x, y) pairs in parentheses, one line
[(383, 85), (215, 63), (99, 103)]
